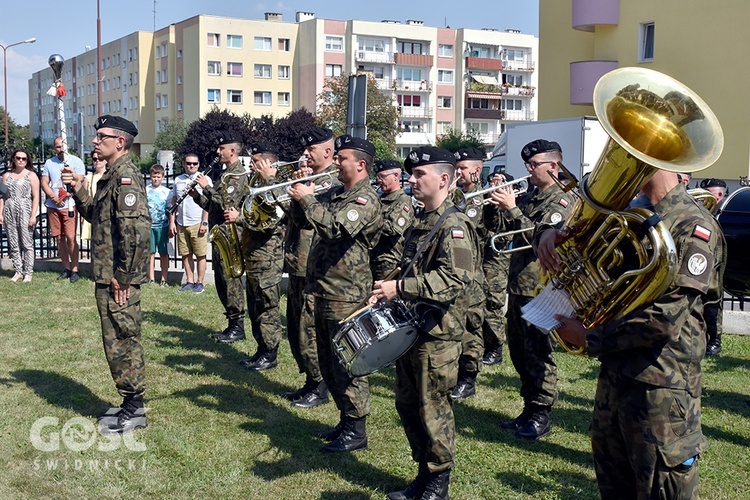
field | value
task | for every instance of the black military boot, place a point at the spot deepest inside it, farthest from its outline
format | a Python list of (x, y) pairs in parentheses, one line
[(465, 387), (316, 397), (519, 421), (333, 434), (310, 384), (353, 436), (713, 347), (437, 486), (234, 332), (494, 357), (538, 424), (130, 417), (415, 489), (252, 359), (266, 361)]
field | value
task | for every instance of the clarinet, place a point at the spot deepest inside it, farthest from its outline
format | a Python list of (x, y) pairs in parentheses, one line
[(214, 163)]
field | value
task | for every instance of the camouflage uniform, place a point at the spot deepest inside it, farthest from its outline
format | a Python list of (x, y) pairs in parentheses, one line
[(495, 270), (398, 214), (264, 261), (646, 420), (228, 192), (530, 348), (426, 373), (347, 225), (300, 323), (472, 345), (120, 234)]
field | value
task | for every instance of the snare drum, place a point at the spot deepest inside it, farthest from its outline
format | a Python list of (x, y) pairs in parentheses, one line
[(375, 338)]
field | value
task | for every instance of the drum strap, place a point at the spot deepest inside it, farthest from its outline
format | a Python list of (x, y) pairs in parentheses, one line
[(427, 240)]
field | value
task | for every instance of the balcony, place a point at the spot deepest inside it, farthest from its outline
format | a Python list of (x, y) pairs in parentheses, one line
[(583, 78), (384, 83), (589, 13), (412, 86), (524, 65), (485, 90), (413, 59), (484, 63), (512, 115), (374, 57), (485, 114), (415, 112)]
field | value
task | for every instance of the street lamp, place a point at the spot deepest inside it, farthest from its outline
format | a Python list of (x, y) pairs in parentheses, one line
[(5, 80)]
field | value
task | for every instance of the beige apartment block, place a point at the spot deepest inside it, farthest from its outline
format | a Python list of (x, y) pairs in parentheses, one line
[(699, 44)]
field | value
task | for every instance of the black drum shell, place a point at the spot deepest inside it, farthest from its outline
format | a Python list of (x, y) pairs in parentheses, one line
[(734, 218)]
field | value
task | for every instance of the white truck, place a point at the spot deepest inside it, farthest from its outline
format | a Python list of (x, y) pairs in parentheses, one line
[(582, 140)]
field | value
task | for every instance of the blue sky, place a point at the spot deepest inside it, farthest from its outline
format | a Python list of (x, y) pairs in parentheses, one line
[(67, 27)]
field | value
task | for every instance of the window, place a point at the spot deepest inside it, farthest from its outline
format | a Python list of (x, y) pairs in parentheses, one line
[(163, 49), (445, 50), (479, 104), (444, 127), (646, 42), (214, 68), (179, 54), (214, 95), (371, 45), (262, 43), (262, 98), (513, 55), (516, 80), (409, 74), (213, 39), (164, 101), (444, 101), (284, 44), (283, 72), (377, 71), (164, 76), (179, 106), (511, 104), (179, 80), (409, 47), (333, 70), (282, 99), (234, 41), (334, 44), (135, 54), (478, 127), (262, 71), (234, 69), (234, 96), (412, 126), (409, 100), (445, 76), (158, 77), (158, 102)]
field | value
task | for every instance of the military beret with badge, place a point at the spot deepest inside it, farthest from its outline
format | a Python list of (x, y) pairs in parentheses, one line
[(470, 154), (116, 123), (316, 135), (707, 183), (539, 146), (227, 137), (347, 141), (428, 155), (263, 148), (383, 165)]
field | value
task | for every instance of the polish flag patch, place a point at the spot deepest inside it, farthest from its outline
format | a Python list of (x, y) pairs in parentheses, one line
[(563, 202), (457, 234), (125, 181), (702, 233), (362, 201), (406, 209)]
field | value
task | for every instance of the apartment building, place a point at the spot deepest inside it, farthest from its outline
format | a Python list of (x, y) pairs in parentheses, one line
[(439, 78), (696, 43)]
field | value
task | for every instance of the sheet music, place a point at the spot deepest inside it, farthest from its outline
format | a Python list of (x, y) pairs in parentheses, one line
[(542, 308)]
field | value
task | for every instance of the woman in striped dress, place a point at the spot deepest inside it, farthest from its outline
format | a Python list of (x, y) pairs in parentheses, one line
[(18, 213)]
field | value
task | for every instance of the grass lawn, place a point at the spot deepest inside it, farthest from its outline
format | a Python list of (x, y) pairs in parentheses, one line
[(219, 431)]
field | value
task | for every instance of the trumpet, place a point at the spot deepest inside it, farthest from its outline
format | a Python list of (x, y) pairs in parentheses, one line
[(261, 210), (460, 199), (284, 171), (506, 249)]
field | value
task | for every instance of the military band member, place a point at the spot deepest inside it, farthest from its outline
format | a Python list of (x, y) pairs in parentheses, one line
[(715, 310), (227, 193), (469, 163), (346, 220), (264, 260), (120, 233), (300, 303), (428, 371), (398, 214), (531, 350), (646, 431)]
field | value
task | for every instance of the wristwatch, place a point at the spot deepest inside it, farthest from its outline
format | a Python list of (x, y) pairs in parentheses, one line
[(204, 223)]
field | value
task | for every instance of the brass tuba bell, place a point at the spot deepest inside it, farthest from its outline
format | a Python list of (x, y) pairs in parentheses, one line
[(614, 261)]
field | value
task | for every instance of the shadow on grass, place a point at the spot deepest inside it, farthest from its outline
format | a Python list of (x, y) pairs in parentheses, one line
[(62, 391), (564, 484)]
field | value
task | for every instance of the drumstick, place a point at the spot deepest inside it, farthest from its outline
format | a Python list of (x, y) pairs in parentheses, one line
[(364, 303)]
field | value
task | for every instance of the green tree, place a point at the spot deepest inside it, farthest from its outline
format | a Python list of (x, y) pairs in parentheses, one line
[(202, 134), (18, 135), (382, 115), (455, 140)]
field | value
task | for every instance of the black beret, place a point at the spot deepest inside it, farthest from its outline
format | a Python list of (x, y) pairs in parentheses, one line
[(116, 123), (707, 183), (346, 141), (539, 146), (470, 154), (315, 136), (227, 137), (428, 155), (382, 165), (263, 148)]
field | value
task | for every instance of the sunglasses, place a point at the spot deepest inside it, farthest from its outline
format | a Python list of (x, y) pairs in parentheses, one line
[(21, 158), (100, 137), (191, 163)]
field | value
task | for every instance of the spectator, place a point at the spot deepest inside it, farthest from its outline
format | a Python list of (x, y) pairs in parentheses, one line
[(159, 197), (92, 179)]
